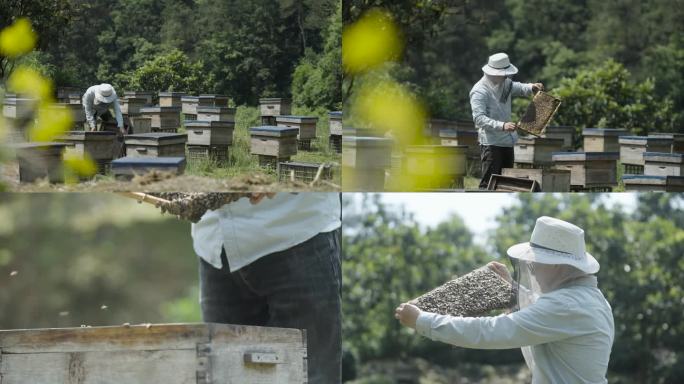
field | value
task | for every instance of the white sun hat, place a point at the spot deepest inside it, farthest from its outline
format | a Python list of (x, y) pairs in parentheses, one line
[(556, 241), (499, 65), (105, 93)]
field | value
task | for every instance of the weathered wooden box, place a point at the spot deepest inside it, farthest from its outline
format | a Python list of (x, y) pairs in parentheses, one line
[(18, 108), (64, 93), (458, 137), (99, 145), (677, 141), (565, 132), (212, 100), (537, 151), (500, 183), (305, 124), (366, 152), (664, 164), (632, 148), (126, 168), (361, 132), (75, 98), (644, 183), (159, 354), (163, 118), (435, 166), (38, 161), (156, 144), (201, 132), (216, 114), (304, 172), (140, 124), (602, 139), (435, 126), (189, 106), (335, 123), (271, 107), (76, 110), (589, 169), (131, 105), (148, 96), (218, 153), (170, 99), (278, 142), (549, 180)]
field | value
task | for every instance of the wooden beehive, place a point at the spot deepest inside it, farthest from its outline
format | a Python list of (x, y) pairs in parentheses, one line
[(216, 114), (18, 108), (453, 137), (163, 118), (361, 132), (218, 153), (64, 93), (210, 132), (75, 98), (99, 145), (588, 169), (212, 100), (500, 183), (38, 161), (565, 132), (632, 148), (159, 354), (674, 184), (435, 166), (278, 142), (170, 99), (677, 141), (189, 106), (539, 113), (434, 127), (549, 180), (664, 164), (148, 96), (602, 139), (536, 151), (140, 124), (126, 168), (272, 107), (75, 110), (364, 160), (305, 124), (156, 144), (304, 172), (335, 123), (644, 183)]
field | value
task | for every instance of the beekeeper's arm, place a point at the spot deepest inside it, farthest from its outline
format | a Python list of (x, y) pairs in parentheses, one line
[(117, 113), (478, 103), (522, 89), (88, 106), (549, 319)]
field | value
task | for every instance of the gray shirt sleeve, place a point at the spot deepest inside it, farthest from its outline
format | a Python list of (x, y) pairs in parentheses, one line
[(478, 103), (117, 113), (521, 89), (88, 101)]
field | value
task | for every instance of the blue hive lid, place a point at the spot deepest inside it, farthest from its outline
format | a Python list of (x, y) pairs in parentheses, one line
[(171, 162), (270, 130)]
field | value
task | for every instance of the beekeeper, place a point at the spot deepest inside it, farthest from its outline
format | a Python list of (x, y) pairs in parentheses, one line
[(562, 322), (98, 101), (490, 100)]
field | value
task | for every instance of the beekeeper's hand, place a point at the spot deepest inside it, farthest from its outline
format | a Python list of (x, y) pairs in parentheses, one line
[(536, 87), (509, 127), (407, 314), (256, 198), (500, 270)]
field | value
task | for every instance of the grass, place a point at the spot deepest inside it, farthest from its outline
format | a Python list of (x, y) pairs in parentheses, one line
[(241, 162)]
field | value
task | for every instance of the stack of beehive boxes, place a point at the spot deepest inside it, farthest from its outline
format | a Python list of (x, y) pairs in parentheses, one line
[(661, 161), (210, 129)]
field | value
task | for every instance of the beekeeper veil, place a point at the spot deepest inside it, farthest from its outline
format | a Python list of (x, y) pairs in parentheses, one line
[(497, 72), (554, 257)]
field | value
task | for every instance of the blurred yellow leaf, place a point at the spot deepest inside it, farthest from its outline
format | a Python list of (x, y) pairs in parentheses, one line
[(389, 106), (51, 122), (78, 166), (371, 41), (17, 39), (29, 82)]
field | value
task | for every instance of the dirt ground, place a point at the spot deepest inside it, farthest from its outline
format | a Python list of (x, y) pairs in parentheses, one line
[(161, 182)]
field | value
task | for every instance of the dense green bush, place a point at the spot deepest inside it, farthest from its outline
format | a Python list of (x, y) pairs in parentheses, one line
[(168, 72)]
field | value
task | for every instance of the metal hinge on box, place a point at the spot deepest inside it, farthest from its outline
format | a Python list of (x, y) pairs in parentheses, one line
[(203, 363)]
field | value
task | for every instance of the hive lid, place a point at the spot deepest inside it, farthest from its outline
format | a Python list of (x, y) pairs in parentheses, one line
[(604, 132), (153, 138), (157, 109), (135, 93), (37, 145), (158, 162), (88, 136), (15, 100), (172, 94), (134, 99), (269, 130), (644, 179), (296, 119), (209, 109), (272, 100), (585, 156), (532, 140), (209, 124), (335, 114), (190, 99), (456, 133), (653, 140), (664, 157), (368, 141)]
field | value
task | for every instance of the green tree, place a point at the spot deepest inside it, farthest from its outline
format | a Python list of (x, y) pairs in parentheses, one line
[(169, 72)]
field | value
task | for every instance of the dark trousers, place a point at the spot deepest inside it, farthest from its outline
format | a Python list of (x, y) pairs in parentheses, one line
[(494, 159), (296, 288)]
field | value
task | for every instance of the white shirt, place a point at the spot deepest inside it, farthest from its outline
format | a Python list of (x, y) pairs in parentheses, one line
[(91, 105), (490, 114), (570, 332), (249, 232)]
